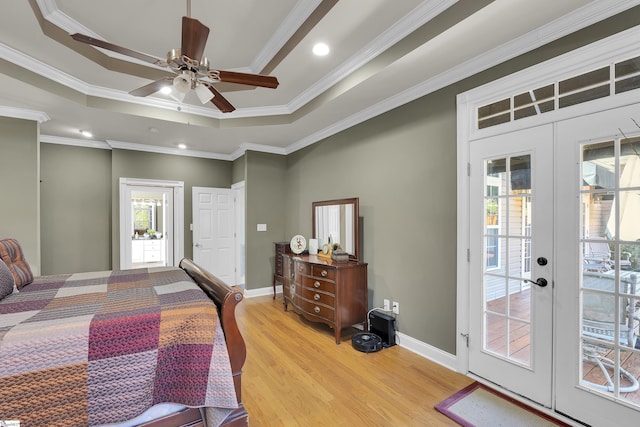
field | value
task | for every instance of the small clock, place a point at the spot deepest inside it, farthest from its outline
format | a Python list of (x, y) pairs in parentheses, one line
[(326, 248)]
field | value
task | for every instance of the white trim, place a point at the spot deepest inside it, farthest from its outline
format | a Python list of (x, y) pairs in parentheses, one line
[(587, 15), (166, 150), (615, 48), (60, 140), (261, 292), (21, 113), (427, 351), (178, 213)]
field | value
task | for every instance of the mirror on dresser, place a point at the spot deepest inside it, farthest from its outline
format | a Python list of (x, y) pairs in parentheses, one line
[(339, 220)]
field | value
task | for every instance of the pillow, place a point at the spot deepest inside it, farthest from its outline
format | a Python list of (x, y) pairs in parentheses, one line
[(6, 280), (12, 255)]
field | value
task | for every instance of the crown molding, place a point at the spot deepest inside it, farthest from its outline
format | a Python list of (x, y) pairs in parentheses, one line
[(60, 140), (419, 16), (167, 150), (583, 17), (21, 113), (257, 147)]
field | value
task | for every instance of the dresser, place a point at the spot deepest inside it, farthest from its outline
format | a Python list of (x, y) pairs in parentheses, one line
[(278, 275), (325, 291)]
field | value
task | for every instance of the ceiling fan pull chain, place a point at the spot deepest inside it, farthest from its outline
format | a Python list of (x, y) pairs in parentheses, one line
[(189, 8)]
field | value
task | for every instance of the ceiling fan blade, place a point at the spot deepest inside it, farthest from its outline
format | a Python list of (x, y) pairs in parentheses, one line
[(220, 101), (115, 48), (152, 87), (194, 38), (248, 79)]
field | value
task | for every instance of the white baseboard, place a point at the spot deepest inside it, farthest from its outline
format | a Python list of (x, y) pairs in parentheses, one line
[(260, 292), (427, 351)]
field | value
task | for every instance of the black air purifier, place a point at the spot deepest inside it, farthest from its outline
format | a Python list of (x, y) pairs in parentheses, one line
[(384, 326)]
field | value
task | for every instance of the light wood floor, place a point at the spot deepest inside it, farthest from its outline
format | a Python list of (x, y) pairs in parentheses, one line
[(295, 375)]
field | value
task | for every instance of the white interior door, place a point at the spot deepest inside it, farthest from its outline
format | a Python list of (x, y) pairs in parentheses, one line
[(598, 246), (214, 231), (511, 247)]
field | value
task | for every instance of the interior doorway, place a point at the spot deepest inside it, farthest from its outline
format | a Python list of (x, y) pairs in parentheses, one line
[(151, 223)]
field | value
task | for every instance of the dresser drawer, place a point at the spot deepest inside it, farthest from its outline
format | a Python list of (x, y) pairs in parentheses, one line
[(324, 272), (152, 245), (319, 297), (302, 268), (319, 284), (317, 309)]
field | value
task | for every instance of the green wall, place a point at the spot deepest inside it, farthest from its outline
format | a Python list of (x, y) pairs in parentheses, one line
[(20, 189), (239, 169), (265, 204), (194, 172), (76, 209)]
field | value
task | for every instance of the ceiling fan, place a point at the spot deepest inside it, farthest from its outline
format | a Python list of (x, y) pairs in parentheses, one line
[(192, 70)]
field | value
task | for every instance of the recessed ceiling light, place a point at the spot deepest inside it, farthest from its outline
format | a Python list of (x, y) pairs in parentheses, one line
[(86, 133), (321, 49), (182, 146), (166, 90)]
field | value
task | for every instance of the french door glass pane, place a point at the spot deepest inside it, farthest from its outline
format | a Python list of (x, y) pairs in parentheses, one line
[(507, 257), (610, 274)]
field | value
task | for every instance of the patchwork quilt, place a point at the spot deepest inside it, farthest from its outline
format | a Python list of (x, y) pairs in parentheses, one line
[(102, 347)]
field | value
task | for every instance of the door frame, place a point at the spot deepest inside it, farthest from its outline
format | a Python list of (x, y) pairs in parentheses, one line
[(240, 231), (610, 50), (178, 215)]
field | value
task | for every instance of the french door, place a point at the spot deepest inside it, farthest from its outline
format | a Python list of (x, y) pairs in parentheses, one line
[(555, 264), (511, 261), (598, 284)]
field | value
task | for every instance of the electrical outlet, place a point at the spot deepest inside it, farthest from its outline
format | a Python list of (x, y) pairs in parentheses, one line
[(387, 305), (396, 307)]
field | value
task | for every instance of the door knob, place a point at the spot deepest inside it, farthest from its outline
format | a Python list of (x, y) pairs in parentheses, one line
[(197, 245), (542, 282)]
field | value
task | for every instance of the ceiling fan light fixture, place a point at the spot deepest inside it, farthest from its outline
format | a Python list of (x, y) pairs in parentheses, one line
[(178, 96), (204, 94), (166, 89), (182, 83)]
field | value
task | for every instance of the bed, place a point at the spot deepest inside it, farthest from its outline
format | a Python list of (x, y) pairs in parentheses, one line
[(102, 348)]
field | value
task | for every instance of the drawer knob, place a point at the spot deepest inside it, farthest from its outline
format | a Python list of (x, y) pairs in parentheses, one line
[(316, 297), (316, 284), (316, 309), (323, 273), (301, 268)]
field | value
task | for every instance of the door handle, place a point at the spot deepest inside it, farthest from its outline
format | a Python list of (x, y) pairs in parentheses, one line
[(541, 281), (197, 245)]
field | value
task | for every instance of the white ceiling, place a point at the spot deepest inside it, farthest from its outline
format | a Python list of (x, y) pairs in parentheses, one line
[(381, 57)]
